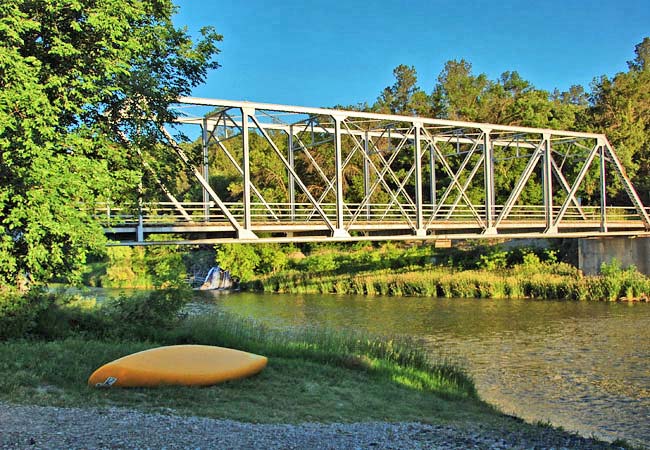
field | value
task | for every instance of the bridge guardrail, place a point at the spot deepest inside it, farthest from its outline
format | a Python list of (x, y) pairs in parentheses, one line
[(166, 213)]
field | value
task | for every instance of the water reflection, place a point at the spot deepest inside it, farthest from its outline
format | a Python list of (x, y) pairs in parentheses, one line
[(584, 366)]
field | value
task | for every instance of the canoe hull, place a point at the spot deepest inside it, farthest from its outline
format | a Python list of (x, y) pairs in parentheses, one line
[(182, 365)]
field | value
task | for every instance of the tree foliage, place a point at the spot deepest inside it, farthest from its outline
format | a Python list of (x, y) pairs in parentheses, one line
[(74, 73), (621, 109)]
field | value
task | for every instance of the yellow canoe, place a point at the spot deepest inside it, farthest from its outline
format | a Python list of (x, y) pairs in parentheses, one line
[(185, 365)]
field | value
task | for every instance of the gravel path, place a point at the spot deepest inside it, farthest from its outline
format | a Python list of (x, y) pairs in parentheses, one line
[(112, 428)]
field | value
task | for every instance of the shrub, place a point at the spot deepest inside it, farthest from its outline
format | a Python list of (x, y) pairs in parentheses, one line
[(126, 268), (240, 259), (19, 312), (272, 258), (494, 260), (68, 316), (147, 315), (616, 282)]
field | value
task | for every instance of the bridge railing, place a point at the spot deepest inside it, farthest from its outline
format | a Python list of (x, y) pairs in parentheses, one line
[(355, 215)]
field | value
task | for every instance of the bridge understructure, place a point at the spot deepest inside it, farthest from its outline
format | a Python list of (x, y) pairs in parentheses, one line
[(312, 174)]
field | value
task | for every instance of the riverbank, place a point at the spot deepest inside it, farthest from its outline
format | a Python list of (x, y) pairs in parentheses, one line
[(479, 273), (390, 269), (314, 375)]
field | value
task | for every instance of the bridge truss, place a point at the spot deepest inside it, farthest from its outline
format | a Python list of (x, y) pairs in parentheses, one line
[(304, 174)]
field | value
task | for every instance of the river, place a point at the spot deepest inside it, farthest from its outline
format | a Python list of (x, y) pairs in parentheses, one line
[(584, 366)]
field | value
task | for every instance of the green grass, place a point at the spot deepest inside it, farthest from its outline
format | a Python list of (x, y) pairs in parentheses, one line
[(541, 281), (313, 375), (289, 390), (398, 359)]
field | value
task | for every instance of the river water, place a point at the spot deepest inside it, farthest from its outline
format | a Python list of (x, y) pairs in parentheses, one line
[(584, 366)]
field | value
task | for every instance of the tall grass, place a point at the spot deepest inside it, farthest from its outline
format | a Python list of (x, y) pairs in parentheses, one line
[(157, 317), (493, 277), (396, 357)]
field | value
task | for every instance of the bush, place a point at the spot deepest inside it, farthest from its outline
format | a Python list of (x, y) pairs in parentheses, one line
[(126, 268), (272, 258), (240, 259), (144, 316), (144, 267), (494, 260), (71, 316), (57, 316), (616, 283), (19, 312)]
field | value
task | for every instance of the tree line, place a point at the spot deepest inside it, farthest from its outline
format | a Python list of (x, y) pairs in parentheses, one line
[(615, 106), (81, 81)]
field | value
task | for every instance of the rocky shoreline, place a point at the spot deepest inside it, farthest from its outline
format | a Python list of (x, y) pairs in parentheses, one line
[(47, 427)]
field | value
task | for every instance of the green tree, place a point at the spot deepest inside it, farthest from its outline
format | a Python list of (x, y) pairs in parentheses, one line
[(620, 108), (74, 73), (240, 259), (404, 96)]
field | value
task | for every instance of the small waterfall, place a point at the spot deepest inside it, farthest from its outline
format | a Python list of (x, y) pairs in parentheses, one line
[(217, 279)]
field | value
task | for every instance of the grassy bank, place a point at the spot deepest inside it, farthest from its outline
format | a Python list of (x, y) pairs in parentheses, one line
[(304, 381), (393, 269), (486, 273), (313, 375)]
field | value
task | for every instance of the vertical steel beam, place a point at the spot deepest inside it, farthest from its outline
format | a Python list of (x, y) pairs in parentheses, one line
[(366, 175), (140, 227), (340, 230), (205, 140), (420, 230), (488, 170), (603, 189), (432, 177), (290, 170), (246, 166), (547, 185)]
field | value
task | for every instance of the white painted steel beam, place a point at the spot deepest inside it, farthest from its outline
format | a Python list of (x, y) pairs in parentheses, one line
[(364, 115), (384, 152)]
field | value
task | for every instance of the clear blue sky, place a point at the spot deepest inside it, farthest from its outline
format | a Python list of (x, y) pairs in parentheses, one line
[(323, 53)]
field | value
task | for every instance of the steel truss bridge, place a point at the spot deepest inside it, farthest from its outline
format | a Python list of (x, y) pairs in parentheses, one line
[(350, 175)]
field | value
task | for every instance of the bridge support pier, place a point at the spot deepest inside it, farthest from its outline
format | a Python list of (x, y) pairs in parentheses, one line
[(592, 252)]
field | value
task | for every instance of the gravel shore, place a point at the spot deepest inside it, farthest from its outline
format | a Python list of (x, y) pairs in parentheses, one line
[(23, 427)]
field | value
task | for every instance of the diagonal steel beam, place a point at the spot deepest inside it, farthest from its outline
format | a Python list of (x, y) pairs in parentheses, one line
[(456, 182), (460, 170), (388, 170), (234, 162), (330, 184), (387, 163), (319, 170), (242, 233), (380, 180), (565, 184), (627, 184), (471, 176), (519, 186), (152, 172), (294, 174), (576, 185), (454, 179)]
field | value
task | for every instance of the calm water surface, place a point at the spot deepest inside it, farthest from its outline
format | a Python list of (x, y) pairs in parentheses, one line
[(583, 366)]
